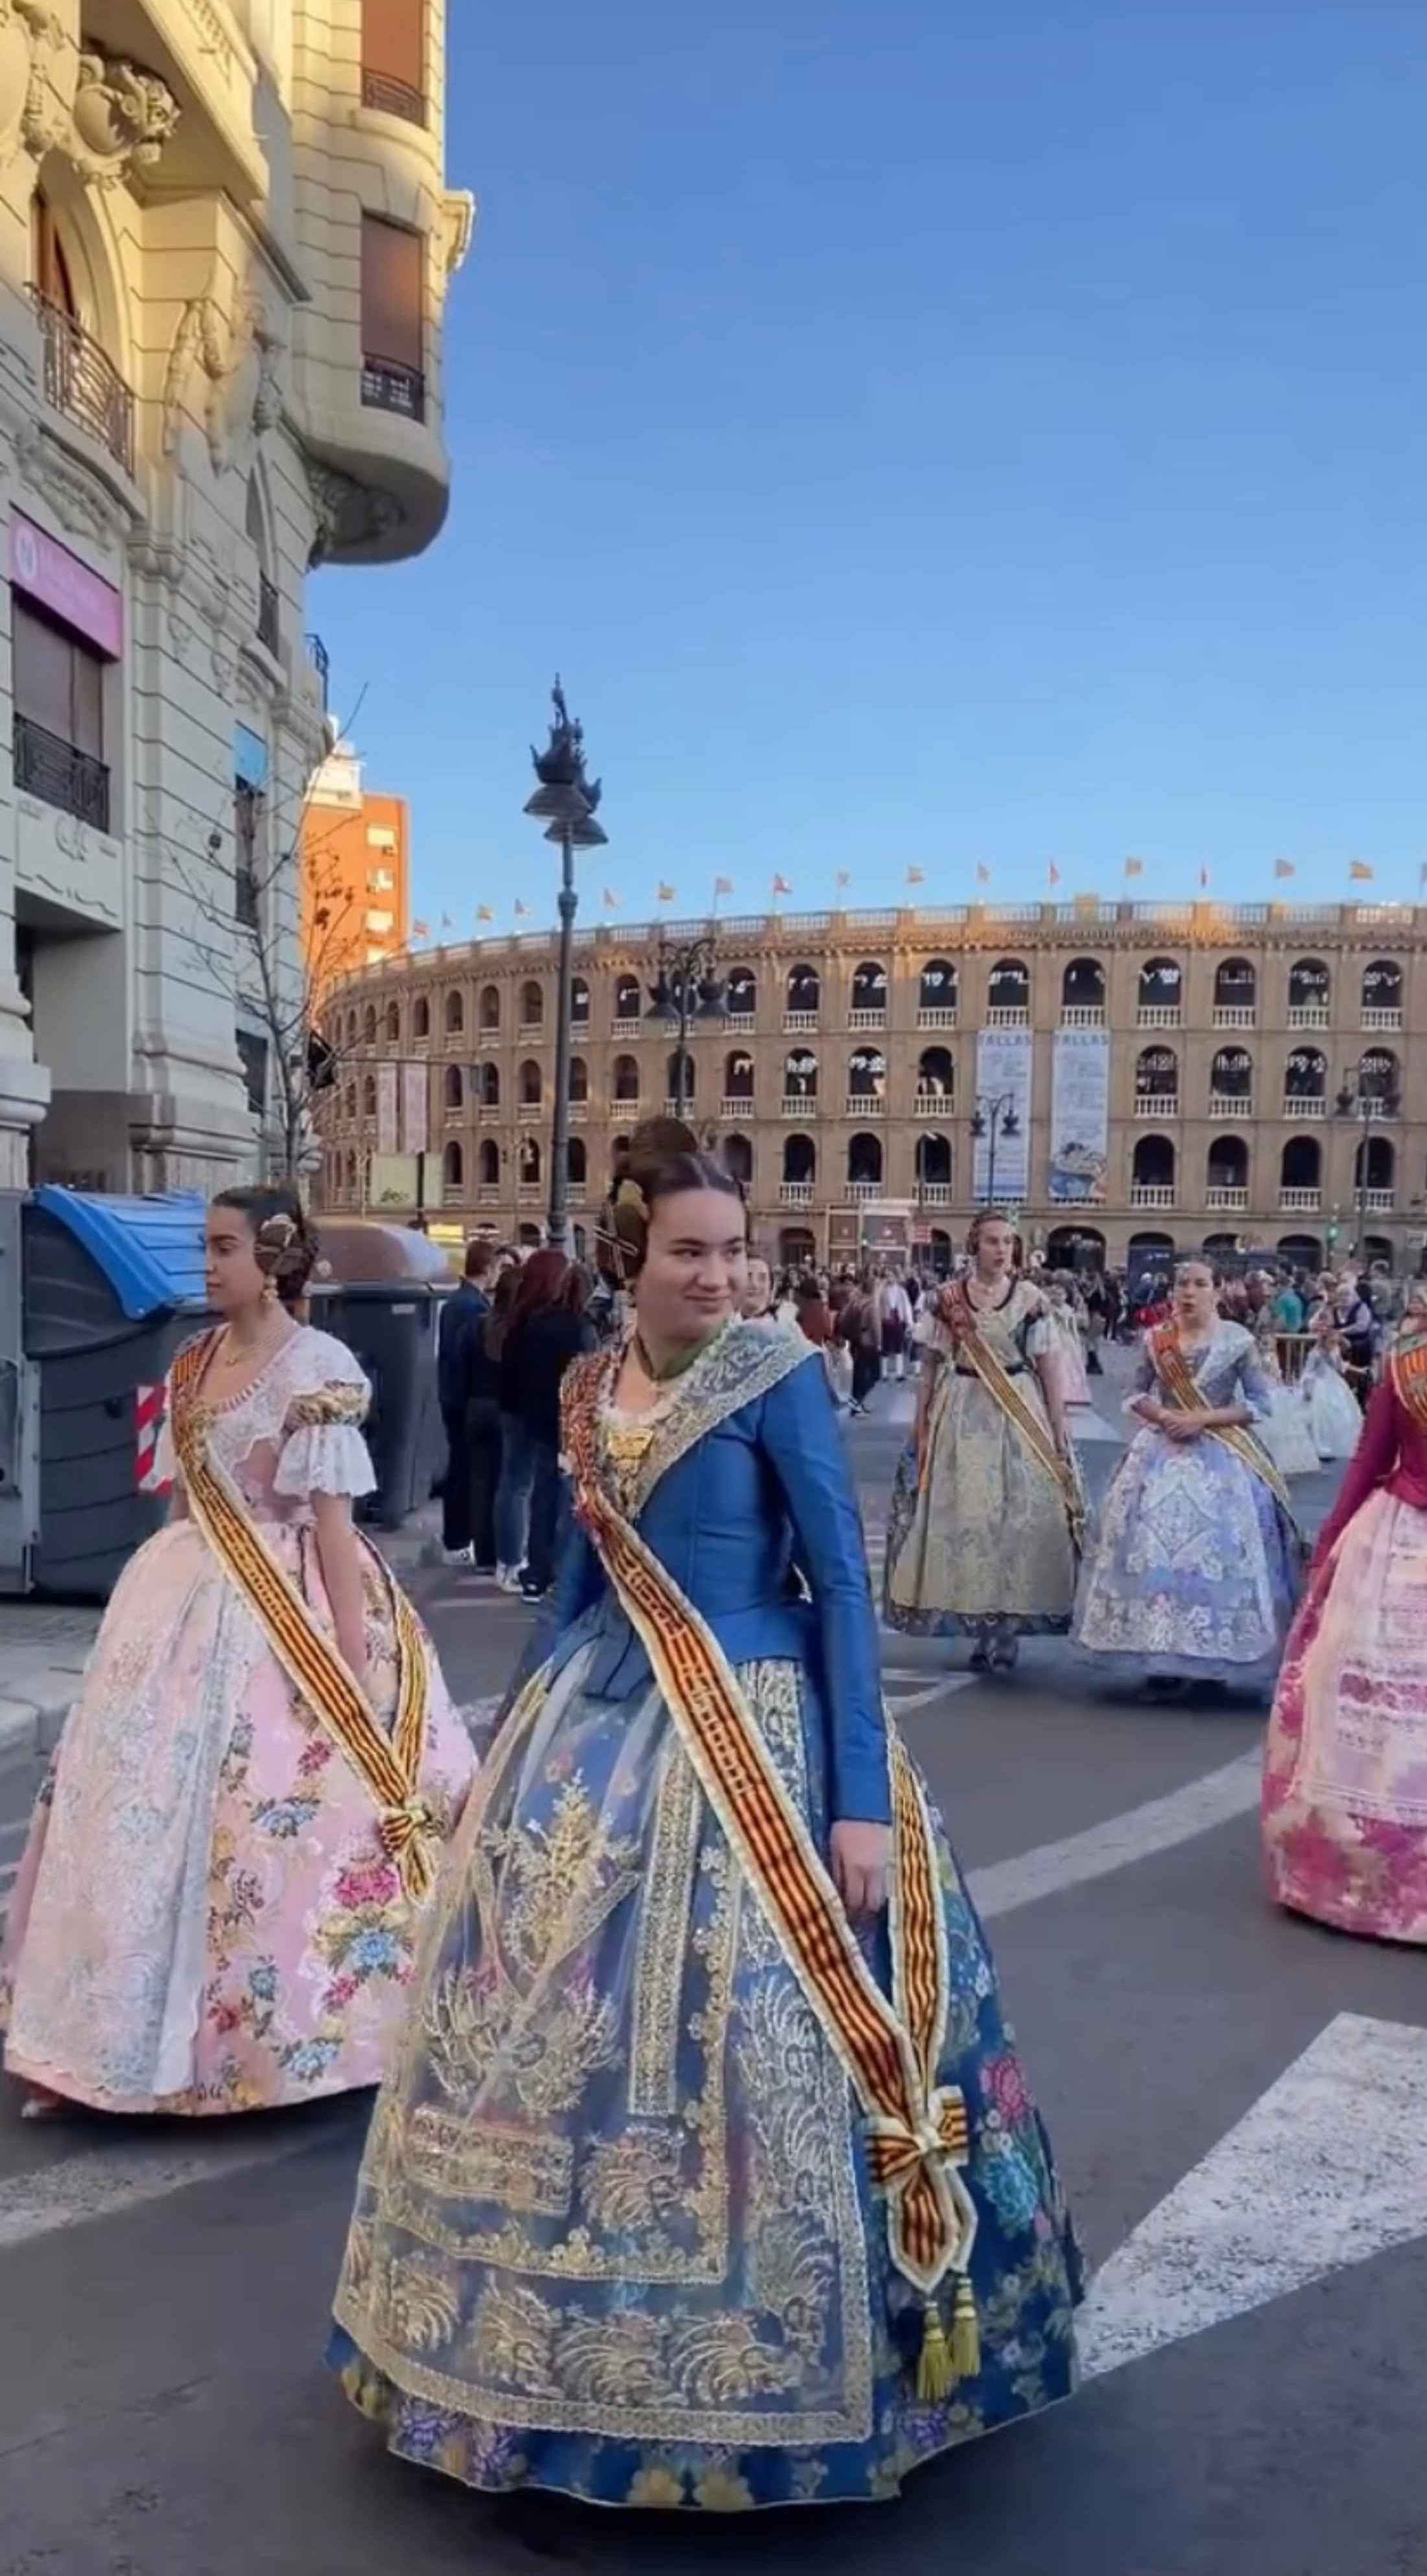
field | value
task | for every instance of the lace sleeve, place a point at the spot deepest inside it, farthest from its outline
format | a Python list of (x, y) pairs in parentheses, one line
[(323, 1450)]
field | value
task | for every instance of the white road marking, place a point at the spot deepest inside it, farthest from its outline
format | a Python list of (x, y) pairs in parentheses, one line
[(1119, 1841), (899, 1701), (102, 2182), (1328, 2169)]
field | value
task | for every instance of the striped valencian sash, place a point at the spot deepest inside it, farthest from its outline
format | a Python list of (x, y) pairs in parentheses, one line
[(916, 2130), (1177, 1379), (972, 1345), (389, 1767), (1407, 1370)]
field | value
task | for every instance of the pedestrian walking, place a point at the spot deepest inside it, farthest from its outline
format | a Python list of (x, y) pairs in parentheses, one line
[(895, 1315), (217, 1905), (1344, 1828), (545, 1329), (986, 1505), (705, 2178), (859, 1327), (461, 1321), (1195, 1572)]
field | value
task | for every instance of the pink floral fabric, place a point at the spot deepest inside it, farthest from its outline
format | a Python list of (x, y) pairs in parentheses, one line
[(1345, 1771), (204, 1919)]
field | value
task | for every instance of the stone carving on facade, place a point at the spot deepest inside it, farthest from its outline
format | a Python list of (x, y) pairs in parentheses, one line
[(231, 354), (32, 111), (123, 116), (348, 513), (81, 501), (458, 224)]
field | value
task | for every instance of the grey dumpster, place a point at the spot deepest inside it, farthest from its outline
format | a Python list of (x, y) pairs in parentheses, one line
[(384, 1300), (109, 1288)]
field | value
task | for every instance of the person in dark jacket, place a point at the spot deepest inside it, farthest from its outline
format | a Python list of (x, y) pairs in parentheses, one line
[(547, 1328), (461, 1323)]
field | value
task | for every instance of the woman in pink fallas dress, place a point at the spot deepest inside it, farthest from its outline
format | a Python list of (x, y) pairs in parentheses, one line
[(218, 1901), (1345, 1770)]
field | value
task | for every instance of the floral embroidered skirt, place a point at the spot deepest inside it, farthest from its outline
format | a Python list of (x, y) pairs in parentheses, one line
[(982, 1540), (204, 1919), (1195, 1572), (1345, 1768), (614, 2234)]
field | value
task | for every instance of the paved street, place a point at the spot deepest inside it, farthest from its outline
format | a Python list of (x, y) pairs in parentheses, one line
[(1240, 2106)]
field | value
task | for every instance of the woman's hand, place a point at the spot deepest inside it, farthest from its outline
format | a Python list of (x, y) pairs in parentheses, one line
[(1183, 1426), (861, 1859)]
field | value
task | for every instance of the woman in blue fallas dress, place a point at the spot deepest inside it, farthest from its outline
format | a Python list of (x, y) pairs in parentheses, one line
[(706, 2175)]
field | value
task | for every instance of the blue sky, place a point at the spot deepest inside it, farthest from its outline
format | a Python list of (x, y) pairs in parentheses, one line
[(923, 436)]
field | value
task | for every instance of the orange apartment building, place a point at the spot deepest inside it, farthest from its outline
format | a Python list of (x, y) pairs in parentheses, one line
[(356, 872)]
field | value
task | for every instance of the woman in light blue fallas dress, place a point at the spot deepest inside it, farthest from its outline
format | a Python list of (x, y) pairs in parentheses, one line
[(1196, 1571), (703, 2178)]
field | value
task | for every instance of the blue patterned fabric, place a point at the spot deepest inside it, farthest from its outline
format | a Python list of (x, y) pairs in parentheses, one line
[(1197, 1568), (614, 2234)]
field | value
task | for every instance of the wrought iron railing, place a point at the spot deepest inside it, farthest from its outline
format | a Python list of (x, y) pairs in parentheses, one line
[(83, 382), (393, 97), (388, 386), (267, 613), (318, 657), (47, 767)]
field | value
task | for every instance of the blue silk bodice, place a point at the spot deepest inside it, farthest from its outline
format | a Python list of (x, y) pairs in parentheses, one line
[(762, 1489)]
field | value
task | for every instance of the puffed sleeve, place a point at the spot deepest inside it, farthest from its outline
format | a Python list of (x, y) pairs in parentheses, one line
[(1254, 1383), (323, 1450), (800, 1437)]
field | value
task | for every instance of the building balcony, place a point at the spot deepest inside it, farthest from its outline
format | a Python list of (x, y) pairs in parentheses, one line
[(937, 1016), (1305, 1104), (1156, 1104), (795, 1193), (1015, 1016), (1299, 1202), (1231, 1104), (741, 1023), (489, 1194), (392, 97), (59, 775), (1310, 1015), (1159, 1015), (1082, 1015), (801, 1022), (83, 382), (321, 664), (389, 386), (800, 1104), (626, 1028), (859, 1192), (1381, 1019), (864, 1104), (529, 1193), (1379, 1202), (738, 1104), (680, 1108), (934, 1193), (531, 1032), (1238, 1015), (626, 1109), (1152, 1194), (1224, 1199), (579, 1113), (933, 1104), (489, 1113), (868, 1019)]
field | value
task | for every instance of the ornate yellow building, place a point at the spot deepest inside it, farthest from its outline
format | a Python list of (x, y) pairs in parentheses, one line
[(225, 241), (1171, 1071)]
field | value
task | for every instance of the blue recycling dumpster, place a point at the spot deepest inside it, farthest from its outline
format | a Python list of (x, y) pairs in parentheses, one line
[(111, 1286)]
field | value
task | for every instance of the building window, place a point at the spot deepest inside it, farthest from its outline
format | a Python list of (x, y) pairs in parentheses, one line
[(380, 836), (247, 803), (81, 380), (59, 717), (393, 298), (381, 881), (393, 59), (253, 1056)]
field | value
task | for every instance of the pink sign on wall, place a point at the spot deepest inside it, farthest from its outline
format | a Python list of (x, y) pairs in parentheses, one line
[(48, 572)]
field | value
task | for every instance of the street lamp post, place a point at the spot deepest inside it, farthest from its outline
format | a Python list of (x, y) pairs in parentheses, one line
[(565, 801), (685, 967), (1364, 1101), (994, 1118)]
